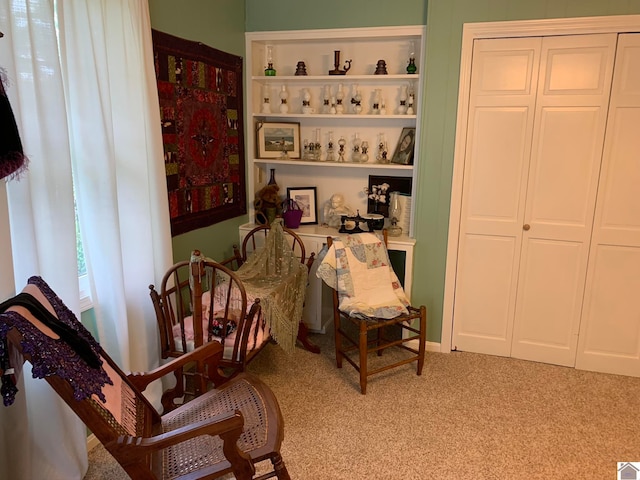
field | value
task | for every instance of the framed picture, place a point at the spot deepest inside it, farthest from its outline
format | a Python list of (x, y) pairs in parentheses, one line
[(276, 138), (306, 198), (404, 150), (380, 187)]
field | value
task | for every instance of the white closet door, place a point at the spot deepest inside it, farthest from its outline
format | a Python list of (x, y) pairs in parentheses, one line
[(610, 329), (568, 139), (499, 130)]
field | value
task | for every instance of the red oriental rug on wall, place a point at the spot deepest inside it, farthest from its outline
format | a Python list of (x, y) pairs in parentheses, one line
[(200, 92)]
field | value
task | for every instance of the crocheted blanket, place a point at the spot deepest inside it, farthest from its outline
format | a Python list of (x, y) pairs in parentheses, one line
[(50, 355), (358, 267)]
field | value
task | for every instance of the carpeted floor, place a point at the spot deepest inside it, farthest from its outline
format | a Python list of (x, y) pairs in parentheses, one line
[(469, 416)]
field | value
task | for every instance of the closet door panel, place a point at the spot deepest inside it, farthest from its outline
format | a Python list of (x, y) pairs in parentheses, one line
[(568, 139), (484, 311), (498, 146), (610, 337), (610, 329), (564, 172), (619, 220), (549, 293)]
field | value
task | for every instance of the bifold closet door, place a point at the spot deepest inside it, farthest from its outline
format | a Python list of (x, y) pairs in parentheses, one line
[(568, 138), (610, 328), (535, 133)]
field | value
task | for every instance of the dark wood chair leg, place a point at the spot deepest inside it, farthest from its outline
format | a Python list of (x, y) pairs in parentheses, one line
[(363, 357), (280, 468), (423, 339), (337, 335), (303, 338)]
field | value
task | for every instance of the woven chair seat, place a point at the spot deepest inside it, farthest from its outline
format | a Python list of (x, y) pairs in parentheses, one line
[(203, 451)]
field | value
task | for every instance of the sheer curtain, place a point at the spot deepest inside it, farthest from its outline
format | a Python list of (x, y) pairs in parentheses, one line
[(82, 86)]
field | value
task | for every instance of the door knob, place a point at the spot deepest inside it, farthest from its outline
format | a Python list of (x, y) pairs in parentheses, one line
[(526, 227)]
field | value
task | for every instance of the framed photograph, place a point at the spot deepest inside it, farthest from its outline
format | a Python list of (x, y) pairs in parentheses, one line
[(276, 138), (306, 198), (404, 150), (379, 189)]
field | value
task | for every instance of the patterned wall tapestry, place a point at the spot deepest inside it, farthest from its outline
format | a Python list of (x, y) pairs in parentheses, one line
[(200, 91)]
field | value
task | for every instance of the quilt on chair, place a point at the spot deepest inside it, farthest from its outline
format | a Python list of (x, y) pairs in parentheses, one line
[(358, 267)]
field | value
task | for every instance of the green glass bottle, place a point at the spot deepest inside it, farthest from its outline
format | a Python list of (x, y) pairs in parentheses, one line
[(411, 68)]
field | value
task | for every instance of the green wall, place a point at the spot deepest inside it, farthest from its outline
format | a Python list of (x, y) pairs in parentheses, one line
[(304, 14), (219, 24)]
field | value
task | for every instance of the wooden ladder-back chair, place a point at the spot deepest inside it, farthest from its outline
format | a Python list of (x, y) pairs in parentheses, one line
[(226, 430), (255, 239), (203, 289), (348, 343)]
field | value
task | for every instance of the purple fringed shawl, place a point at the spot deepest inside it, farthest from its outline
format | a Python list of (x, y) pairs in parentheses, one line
[(12, 159), (52, 356)]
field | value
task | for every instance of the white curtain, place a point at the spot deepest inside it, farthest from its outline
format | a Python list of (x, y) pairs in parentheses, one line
[(84, 94)]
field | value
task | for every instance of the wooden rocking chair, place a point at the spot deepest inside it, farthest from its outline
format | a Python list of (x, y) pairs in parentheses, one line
[(225, 430)]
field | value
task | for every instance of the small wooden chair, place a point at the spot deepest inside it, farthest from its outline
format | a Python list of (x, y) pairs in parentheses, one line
[(256, 239), (347, 343), (226, 430), (207, 290)]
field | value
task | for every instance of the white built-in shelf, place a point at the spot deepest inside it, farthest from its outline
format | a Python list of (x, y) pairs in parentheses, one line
[(371, 165), (334, 117), (334, 78)]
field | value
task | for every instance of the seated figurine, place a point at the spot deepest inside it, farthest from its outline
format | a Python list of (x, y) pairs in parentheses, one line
[(335, 208)]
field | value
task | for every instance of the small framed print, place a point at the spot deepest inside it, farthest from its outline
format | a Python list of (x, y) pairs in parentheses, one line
[(278, 140), (305, 197), (404, 150)]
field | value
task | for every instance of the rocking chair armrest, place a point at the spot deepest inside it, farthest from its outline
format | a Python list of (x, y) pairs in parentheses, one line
[(228, 426), (211, 351)]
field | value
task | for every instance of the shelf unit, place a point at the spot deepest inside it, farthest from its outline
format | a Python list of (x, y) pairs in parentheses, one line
[(364, 46)]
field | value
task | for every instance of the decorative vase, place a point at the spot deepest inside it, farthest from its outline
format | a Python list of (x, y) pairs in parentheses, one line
[(377, 97), (364, 156), (356, 99), (266, 101), (306, 101), (402, 108), (395, 209), (269, 71), (272, 177), (331, 149), (341, 143), (326, 99), (410, 100), (284, 95), (411, 68), (355, 156), (339, 99)]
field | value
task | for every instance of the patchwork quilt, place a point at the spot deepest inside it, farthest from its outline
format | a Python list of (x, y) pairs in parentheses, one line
[(358, 267)]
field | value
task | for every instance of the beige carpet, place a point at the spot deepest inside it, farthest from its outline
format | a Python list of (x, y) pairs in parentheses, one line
[(469, 416)]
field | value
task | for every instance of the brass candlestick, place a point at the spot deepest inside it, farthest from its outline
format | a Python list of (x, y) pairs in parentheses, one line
[(336, 64)]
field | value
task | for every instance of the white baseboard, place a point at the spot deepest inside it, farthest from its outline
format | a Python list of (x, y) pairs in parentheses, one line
[(92, 442), (431, 346)]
